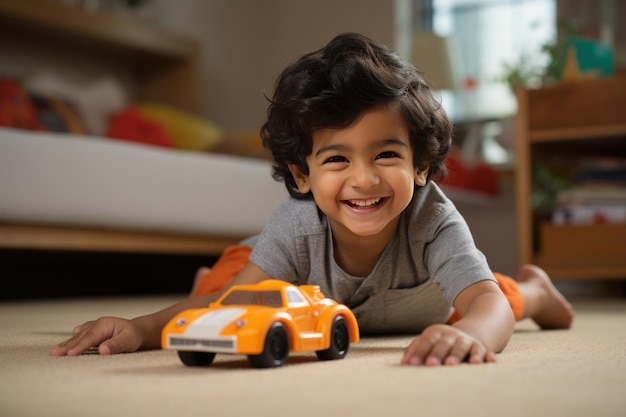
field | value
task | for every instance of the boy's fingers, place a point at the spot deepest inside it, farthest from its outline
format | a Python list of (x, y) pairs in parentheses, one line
[(410, 356), (72, 347), (477, 354), (416, 352), (435, 347), (121, 343), (80, 327), (86, 336), (106, 349), (84, 342), (440, 351), (425, 347), (458, 352)]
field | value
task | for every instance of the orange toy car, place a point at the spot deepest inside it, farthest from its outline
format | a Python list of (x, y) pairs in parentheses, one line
[(264, 321)]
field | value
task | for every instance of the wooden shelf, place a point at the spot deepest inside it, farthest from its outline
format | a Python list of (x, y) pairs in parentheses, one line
[(164, 65), (574, 121), (56, 19), (576, 133), (581, 272), (590, 104)]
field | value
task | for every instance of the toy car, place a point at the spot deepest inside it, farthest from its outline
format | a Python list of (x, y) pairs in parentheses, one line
[(264, 321)]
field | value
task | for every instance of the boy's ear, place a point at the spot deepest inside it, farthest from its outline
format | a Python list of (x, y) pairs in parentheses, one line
[(421, 175), (302, 180)]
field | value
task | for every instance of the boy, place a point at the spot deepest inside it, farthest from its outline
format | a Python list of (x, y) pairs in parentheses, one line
[(357, 136)]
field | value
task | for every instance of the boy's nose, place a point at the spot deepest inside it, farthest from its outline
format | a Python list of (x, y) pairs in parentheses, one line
[(364, 176)]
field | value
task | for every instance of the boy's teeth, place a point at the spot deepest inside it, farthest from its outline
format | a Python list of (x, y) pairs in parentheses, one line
[(364, 203)]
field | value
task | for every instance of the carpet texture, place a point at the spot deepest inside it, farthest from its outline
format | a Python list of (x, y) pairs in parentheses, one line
[(577, 372)]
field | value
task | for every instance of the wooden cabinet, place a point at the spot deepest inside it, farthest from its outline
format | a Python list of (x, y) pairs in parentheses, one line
[(164, 67), (564, 124)]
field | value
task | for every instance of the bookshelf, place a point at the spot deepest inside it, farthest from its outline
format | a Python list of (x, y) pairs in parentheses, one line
[(164, 65), (567, 123)]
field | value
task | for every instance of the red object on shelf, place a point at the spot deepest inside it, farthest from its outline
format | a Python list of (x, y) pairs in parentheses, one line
[(16, 108), (129, 124), (484, 178), (480, 177)]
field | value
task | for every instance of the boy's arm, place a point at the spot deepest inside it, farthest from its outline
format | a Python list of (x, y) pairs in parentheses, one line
[(116, 335), (486, 327), (487, 315)]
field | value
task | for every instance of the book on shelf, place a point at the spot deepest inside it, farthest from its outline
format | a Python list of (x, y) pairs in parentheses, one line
[(592, 194), (591, 204), (597, 194), (607, 170), (590, 214)]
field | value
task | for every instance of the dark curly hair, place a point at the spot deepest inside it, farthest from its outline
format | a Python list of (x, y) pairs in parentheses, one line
[(332, 87)]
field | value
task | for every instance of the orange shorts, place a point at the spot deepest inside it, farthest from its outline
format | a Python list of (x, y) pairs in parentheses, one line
[(232, 260), (511, 291), (236, 257)]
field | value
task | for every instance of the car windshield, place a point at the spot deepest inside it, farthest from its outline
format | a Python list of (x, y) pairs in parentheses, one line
[(263, 298)]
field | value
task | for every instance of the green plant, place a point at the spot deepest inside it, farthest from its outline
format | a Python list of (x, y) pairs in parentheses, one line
[(549, 181), (527, 73)]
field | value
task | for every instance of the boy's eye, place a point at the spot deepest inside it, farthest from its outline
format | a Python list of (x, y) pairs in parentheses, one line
[(388, 154), (335, 158)]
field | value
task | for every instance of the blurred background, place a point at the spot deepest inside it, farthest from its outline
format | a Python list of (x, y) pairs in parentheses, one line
[(475, 53)]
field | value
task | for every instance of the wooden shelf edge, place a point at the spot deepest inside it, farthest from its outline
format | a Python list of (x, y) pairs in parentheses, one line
[(121, 31), (580, 271), (579, 132), (101, 240)]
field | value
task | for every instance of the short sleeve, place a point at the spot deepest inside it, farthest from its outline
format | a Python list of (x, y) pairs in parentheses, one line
[(281, 249), (453, 259)]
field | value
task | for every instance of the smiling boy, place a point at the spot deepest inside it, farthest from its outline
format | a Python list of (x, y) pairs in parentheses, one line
[(357, 137)]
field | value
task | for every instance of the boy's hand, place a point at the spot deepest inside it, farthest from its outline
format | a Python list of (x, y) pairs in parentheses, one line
[(443, 344), (110, 334)]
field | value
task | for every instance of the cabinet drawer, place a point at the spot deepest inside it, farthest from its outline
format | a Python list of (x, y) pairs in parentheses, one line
[(600, 244), (587, 103)]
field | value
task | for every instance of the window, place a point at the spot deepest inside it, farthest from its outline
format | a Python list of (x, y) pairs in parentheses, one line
[(489, 36)]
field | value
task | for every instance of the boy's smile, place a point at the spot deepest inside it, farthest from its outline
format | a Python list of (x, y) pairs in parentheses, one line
[(365, 204), (362, 176)]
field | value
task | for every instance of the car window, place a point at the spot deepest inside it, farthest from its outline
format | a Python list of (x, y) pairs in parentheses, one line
[(270, 298), (243, 297), (293, 296)]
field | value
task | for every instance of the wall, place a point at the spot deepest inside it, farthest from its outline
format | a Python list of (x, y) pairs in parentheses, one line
[(493, 225), (246, 43)]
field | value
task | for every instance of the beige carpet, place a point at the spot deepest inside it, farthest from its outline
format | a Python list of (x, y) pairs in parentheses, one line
[(580, 372)]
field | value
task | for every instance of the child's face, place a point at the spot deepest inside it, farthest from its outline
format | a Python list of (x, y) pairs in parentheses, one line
[(362, 177)]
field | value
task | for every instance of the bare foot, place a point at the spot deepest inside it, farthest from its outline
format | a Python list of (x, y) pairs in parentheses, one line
[(544, 303)]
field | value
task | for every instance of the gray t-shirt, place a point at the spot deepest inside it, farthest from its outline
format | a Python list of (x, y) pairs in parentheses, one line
[(430, 260)]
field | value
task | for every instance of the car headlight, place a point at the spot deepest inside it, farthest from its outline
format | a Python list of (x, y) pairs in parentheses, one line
[(181, 322), (240, 323)]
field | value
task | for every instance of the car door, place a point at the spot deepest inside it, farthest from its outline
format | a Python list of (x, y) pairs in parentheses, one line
[(301, 311)]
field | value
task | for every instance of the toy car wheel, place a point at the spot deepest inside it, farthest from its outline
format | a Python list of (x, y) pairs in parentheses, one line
[(196, 358), (275, 350), (339, 341)]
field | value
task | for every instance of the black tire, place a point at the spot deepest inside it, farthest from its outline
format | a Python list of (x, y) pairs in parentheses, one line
[(196, 358), (339, 341), (275, 349)]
